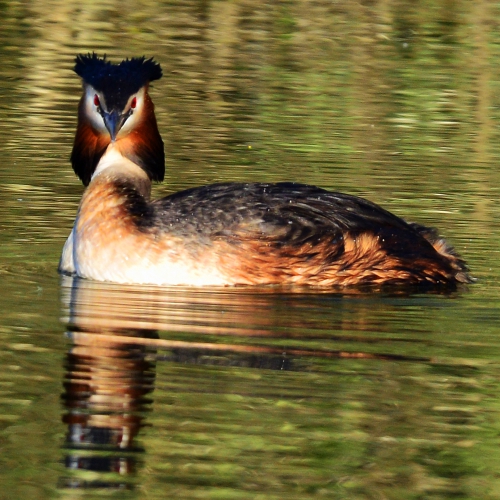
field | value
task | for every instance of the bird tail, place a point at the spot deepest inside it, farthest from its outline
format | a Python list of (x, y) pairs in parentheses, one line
[(458, 265)]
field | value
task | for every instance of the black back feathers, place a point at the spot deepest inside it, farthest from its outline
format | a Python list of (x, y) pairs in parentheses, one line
[(117, 82)]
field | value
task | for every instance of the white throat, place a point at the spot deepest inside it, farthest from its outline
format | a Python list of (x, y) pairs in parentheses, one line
[(114, 164)]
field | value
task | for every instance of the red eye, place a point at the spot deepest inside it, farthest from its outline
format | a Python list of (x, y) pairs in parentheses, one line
[(133, 104), (96, 100)]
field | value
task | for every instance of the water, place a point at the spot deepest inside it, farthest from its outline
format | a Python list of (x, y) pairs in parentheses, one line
[(140, 392)]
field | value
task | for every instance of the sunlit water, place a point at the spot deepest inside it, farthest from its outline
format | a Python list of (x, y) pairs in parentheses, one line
[(142, 392)]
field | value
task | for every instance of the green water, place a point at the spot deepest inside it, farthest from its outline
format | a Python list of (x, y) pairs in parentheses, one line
[(130, 392)]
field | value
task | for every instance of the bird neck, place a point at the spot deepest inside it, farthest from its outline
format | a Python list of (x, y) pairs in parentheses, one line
[(115, 167)]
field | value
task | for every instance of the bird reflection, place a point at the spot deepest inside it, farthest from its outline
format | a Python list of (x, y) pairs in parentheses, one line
[(111, 366), (106, 385)]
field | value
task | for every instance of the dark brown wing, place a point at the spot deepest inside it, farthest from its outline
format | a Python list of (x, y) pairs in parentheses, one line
[(283, 213), (287, 232)]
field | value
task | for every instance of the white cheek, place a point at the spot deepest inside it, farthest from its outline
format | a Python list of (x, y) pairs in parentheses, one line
[(134, 118), (130, 123), (91, 112)]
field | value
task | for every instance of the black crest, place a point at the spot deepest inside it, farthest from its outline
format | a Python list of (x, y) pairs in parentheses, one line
[(117, 82)]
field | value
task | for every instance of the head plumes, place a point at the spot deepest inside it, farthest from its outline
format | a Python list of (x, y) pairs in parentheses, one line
[(116, 109), (116, 81)]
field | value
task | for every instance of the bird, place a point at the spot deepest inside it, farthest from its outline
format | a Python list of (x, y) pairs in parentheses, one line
[(225, 234)]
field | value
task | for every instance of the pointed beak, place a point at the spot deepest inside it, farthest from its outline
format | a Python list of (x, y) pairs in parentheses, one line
[(114, 121)]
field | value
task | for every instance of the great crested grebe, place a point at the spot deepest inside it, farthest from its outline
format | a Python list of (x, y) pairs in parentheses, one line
[(221, 234)]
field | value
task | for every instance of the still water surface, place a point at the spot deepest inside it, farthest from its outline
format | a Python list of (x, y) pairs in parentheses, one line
[(144, 392)]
